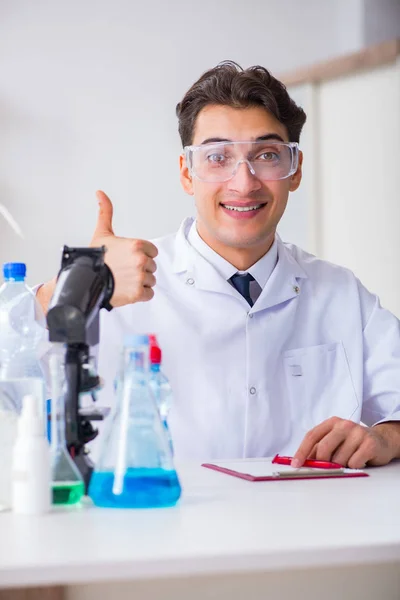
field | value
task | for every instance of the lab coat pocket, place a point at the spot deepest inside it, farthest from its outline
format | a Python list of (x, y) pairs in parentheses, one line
[(319, 383)]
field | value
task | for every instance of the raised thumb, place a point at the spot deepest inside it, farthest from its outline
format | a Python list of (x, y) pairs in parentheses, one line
[(104, 219)]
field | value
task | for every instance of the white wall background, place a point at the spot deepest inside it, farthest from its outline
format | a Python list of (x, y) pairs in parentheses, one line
[(88, 90), (359, 208)]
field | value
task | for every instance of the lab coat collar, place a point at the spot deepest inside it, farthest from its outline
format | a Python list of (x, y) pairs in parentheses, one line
[(282, 285)]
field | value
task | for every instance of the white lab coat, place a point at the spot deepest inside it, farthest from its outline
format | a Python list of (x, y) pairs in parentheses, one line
[(250, 382)]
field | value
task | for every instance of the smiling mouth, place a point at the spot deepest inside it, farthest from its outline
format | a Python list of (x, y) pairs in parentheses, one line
[(242, 208)]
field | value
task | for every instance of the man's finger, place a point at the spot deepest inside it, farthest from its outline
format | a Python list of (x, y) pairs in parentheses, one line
[(330, 443), (147, 294), (311, 438), (313, 453), (105, 216), (149, 249), (360, 458), (350, 445), (150, 266), (149, 280)]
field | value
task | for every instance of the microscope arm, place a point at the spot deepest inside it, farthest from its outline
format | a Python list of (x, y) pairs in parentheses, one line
[(84, 285)]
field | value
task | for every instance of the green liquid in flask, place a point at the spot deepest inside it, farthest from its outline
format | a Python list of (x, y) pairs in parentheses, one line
[(67, 492)]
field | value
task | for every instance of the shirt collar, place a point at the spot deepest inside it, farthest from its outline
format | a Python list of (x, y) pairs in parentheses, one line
[(283, 285), (261, 270)]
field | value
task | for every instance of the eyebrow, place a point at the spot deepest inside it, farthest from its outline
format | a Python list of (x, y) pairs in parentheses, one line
[(261, 138)]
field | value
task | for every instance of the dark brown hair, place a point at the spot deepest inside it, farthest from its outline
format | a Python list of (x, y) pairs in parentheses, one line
[(230, 85)]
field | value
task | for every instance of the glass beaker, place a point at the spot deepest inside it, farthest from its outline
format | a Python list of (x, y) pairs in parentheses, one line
[(67, 483), (135, 468)]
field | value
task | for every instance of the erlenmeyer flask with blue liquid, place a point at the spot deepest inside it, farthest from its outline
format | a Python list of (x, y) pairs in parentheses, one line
[(135, 467)]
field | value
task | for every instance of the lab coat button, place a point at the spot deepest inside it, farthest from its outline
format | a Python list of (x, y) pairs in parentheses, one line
[(190, 281), (252, 391), (250, 315)]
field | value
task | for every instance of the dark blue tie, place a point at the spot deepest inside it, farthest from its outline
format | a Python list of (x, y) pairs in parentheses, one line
[(242, 284)]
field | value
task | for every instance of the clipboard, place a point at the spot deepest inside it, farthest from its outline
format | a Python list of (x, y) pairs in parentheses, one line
[(264, 470)]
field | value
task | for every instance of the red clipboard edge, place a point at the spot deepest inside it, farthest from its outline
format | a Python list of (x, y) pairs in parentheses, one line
[(249, 477)]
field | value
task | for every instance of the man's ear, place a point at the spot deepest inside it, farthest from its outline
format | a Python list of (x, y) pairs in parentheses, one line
[(185, 177), (296, 178)]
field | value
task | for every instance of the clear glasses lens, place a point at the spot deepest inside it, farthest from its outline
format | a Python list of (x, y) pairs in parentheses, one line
[(269, 160)]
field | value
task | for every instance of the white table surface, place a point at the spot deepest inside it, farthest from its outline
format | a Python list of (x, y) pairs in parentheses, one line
[(222, 524)]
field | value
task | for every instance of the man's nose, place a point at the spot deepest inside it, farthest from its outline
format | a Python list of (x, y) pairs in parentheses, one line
[(244, 179)]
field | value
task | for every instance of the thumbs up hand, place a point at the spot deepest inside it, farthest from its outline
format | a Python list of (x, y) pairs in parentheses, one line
[(131, 261)]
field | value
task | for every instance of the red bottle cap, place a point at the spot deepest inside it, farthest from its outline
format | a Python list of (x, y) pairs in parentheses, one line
[(155, 355)]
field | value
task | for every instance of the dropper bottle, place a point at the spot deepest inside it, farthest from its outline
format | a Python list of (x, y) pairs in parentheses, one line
[(67, 483)]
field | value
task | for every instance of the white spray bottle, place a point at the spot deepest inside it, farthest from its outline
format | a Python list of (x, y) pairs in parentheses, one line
[(31, 471)]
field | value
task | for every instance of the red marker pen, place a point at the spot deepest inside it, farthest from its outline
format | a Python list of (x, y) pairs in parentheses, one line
[(316, 464)]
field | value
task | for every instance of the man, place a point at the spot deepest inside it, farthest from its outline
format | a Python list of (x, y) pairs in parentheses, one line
[(267, 348)]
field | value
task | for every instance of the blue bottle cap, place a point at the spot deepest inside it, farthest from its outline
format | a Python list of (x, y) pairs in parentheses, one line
[(14, 271), (132, 339)]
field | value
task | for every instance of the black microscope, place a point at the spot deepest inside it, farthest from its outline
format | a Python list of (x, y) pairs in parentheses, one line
[(84, 285)]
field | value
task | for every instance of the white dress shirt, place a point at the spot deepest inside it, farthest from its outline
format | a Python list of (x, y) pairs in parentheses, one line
[(260, 271)]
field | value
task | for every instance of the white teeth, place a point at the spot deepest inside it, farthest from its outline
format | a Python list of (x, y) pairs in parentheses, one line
[(242, 208)]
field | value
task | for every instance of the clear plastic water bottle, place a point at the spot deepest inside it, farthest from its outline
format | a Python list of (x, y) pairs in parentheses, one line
[(135, 468), (22, 331), (160, 388)]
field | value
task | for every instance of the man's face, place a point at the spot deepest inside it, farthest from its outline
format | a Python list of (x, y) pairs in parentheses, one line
[(223, 228)]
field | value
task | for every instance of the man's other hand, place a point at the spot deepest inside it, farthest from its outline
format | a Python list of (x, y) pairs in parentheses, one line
[(350, 444)]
